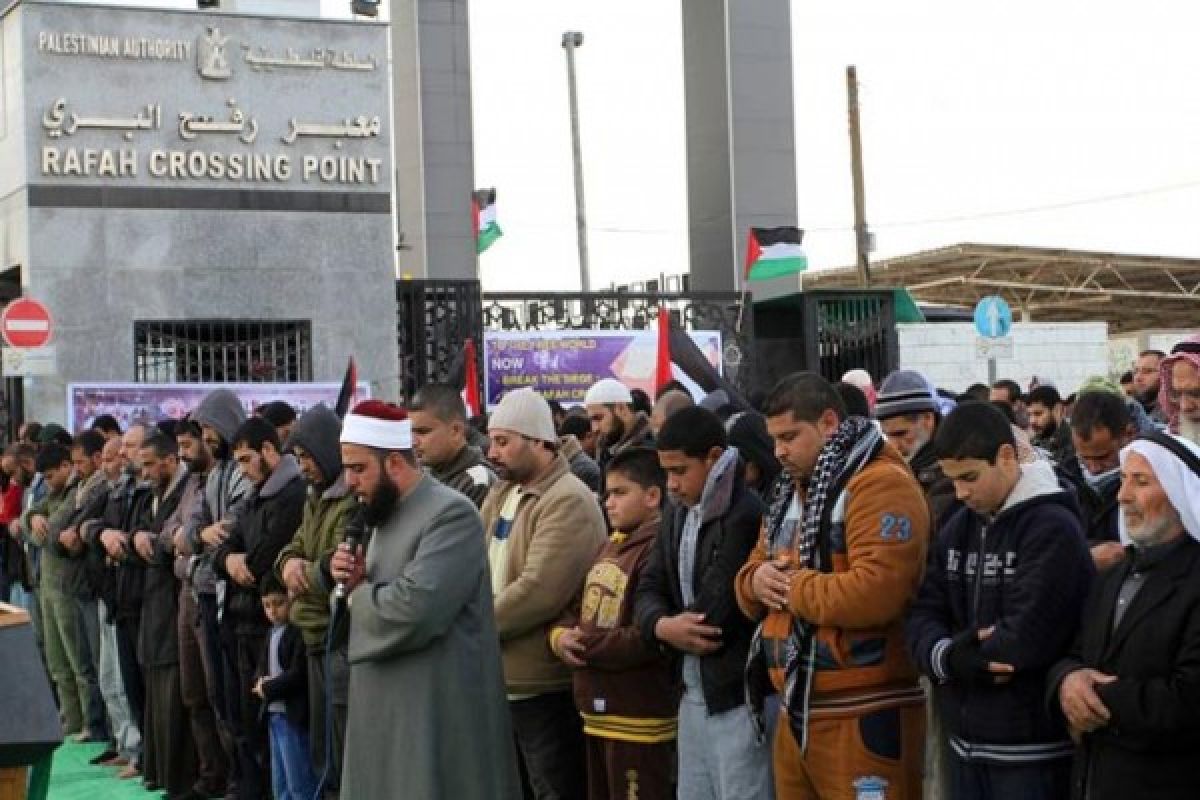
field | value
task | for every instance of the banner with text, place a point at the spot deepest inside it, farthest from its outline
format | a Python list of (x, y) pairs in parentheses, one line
[(561, 365), (147, 403)]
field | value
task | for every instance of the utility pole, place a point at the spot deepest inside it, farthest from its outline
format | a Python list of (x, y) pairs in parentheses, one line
[(862, 244), (571, 40)]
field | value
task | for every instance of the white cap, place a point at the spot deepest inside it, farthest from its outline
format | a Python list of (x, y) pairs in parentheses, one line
[(526, 412), (607, 390)]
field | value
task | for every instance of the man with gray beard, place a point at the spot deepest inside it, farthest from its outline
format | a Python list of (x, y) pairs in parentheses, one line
[(1180, 394), (907, 410)]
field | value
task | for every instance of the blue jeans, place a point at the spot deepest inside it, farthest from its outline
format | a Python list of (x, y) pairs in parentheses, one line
[(291, 769), (95, 714), (1046, 780)]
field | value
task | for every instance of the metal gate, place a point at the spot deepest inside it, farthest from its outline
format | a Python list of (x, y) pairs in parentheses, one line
[(437, 317), (434, 320), (829, 332)]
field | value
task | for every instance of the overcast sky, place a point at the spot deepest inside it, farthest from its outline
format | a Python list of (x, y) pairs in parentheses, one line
[(1083, 115), (1062, 124)]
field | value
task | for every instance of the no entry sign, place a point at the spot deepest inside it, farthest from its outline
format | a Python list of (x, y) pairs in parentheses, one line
[(26, 323)]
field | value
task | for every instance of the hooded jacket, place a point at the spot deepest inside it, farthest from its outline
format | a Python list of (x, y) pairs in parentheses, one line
[(267, 523), (223, 411), (1035, 578), (225, 487), (326, 509), (729, 523)]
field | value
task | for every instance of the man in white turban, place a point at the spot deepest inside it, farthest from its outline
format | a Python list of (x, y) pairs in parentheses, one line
[(1130, 687), (427, 713)]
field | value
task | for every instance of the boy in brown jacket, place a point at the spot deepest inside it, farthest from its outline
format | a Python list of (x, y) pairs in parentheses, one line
[(624, 688)]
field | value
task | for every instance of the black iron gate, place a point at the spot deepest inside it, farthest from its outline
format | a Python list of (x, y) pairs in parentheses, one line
[(437, 317), (829, 332), (434, 319)]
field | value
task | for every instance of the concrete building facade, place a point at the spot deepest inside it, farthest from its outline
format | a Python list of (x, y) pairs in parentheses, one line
[(198, 196)]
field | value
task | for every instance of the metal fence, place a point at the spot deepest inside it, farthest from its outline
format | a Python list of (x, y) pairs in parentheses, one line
[(437, 317), (222, 351), (433, 321), (829, 332)]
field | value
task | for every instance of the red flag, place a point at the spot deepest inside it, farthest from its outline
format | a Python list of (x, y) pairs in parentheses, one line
[(471, 380), (662, 369)]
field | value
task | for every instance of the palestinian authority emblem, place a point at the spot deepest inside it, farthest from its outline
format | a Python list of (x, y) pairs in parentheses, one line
[(211, 61)]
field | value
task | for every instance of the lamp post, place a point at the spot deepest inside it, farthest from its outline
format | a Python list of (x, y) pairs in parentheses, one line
[(571, 40)]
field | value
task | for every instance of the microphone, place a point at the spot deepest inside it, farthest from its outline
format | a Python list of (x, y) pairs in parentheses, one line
[(355, 533)]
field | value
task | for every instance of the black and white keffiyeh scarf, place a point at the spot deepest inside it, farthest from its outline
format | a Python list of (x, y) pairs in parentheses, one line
[(855, 443)]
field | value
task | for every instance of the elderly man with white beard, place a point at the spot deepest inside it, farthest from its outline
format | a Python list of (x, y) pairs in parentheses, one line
[(1179, 396), (1130, 686)]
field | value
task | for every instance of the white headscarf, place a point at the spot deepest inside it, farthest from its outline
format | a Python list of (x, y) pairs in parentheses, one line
[(1178, 480)]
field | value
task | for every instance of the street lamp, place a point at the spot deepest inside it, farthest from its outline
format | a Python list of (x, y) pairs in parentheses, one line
[(571, 40)]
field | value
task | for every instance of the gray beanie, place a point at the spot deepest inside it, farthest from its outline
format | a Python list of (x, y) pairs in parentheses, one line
[(526, 412), (905, 391)]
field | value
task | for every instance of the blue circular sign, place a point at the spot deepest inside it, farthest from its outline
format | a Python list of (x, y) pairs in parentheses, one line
[(993, 317)]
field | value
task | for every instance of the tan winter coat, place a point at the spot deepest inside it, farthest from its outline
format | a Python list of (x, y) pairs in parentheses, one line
[(556, 533)]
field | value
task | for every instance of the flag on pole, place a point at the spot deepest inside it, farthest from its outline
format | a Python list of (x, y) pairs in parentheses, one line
[(349, 387), (487, 231), (471, 380), (662, 368), (774, 252)]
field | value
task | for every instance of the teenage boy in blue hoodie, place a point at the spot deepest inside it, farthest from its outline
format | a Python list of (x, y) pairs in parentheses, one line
[(1000, 604)]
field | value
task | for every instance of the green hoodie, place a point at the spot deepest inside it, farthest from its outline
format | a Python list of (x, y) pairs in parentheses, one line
[(325, 513)]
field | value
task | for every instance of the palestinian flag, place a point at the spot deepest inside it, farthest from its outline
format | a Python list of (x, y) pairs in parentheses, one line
[(483, 203), (773, 253)]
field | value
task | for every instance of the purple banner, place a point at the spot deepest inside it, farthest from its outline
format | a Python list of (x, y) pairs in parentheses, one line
[(561, 365), (148, 403)]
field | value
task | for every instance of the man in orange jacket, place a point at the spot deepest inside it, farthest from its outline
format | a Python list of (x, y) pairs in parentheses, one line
[(839, 560)]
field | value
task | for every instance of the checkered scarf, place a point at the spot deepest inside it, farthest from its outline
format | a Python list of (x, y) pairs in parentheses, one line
[(792, 648)]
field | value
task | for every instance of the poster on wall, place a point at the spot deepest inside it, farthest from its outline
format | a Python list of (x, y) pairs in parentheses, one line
[(148, 403), (561, 365)]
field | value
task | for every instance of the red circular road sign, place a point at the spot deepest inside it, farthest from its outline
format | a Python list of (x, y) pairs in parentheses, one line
[(26, 323)]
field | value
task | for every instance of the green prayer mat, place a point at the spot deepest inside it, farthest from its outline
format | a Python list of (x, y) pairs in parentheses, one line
[(73, 778)]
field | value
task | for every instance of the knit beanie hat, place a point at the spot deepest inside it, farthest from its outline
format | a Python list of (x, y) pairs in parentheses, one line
[(905, 391), (526, 412), (607, 390)]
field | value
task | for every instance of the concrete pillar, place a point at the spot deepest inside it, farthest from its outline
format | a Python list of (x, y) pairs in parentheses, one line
[(740, 132), (434, 159)]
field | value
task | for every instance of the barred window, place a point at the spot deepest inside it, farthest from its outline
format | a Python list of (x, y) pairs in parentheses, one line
[(222, 351)]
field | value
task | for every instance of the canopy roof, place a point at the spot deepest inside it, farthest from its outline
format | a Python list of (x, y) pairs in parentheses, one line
[(1127, 291)]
